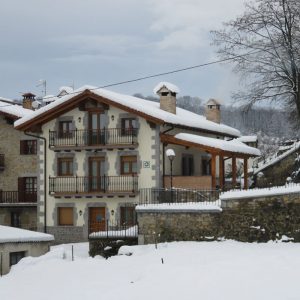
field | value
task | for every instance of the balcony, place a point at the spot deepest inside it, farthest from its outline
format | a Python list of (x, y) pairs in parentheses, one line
[(189, 182), (1, 162), (17, 197), (93, 139), (83, 186)]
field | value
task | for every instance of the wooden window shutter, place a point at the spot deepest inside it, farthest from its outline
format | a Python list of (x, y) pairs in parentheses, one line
[(65, 216), (21, 189), (22, 147)]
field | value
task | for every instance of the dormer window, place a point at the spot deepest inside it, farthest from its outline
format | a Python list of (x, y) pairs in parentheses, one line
[(165, 93)]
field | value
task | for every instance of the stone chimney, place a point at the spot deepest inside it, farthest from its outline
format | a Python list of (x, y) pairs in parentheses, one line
[(212, 111), (28, 98), (167, 96)]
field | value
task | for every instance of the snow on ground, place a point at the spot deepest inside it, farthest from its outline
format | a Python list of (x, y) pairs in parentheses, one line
[(191, 270)]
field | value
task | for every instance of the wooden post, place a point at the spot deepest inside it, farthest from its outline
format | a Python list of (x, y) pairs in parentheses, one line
[(246, 173), (221, 171), (213, 171), (233, 171)]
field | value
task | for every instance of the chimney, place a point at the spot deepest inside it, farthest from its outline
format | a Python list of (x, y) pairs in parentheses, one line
[(212, 111), (167, 96), (28, 98)]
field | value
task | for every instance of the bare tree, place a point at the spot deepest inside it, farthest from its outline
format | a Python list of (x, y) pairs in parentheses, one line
[(268, 33)]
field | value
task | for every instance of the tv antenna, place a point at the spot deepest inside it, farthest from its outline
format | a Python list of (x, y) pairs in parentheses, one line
[(43, 83)]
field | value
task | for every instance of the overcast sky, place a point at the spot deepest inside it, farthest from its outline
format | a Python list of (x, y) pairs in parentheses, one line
[(99, 42)]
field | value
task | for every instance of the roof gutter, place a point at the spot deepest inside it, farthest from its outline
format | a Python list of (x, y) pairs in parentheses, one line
[(45, 177)]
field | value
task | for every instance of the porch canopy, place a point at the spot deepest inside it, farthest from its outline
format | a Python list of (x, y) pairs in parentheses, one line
[(233, 149)]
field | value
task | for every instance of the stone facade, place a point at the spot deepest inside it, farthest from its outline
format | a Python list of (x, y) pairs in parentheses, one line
[(15, 166), (28, 216), (246, 220)]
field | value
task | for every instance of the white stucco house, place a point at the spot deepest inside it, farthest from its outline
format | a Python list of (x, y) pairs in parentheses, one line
[(16, 243), (98, 149)]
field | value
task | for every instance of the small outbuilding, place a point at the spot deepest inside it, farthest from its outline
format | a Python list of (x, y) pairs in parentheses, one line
[(16, 243)]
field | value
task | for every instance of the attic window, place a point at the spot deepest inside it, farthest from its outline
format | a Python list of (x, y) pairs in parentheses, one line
[(173, 94), (165, 93)]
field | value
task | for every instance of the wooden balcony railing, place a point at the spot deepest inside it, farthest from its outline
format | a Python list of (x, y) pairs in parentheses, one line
[(76, 185), (101, 137), (2, 162), (11, 197)]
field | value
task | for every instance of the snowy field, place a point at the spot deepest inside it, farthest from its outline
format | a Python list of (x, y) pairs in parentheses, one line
[(191, 270)]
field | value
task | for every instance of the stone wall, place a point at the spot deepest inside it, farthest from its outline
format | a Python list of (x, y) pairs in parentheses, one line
[(247, 220), (276, 175), (67, 234)]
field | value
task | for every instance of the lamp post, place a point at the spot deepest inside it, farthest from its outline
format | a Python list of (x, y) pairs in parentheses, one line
[(171, 155)]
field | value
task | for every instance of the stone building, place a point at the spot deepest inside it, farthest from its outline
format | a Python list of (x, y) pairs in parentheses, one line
[(18, 169), (103, 149)]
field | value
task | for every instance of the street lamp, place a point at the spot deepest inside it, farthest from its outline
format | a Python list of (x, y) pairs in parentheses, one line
[(171, 155)]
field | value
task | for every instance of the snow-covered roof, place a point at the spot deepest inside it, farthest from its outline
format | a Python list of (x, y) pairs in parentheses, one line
[(181, 118), (17, 235), (14, 110), (279, 190), (275, 159), (213, 102), (6, 100), (231, 146), (170, 86), (248, 138), (49, 98), (66, 89)]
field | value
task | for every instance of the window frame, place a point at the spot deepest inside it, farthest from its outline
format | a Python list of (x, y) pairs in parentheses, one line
[(131, 130), (65, 133), (25, 148), (69, 166), (128, 159)]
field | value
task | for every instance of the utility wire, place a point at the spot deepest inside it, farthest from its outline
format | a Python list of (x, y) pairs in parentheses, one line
[(169, 72)]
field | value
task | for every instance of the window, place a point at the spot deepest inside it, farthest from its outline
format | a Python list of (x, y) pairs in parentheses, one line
[(128, 165), (27, 188), (65, 216), (205, 167), (65, 166), (15, 257), (15, 219), (28, 147), (187, 165), (128, 216), (65, 129), (129, 126)]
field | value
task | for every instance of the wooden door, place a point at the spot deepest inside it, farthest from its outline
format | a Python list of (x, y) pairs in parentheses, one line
[(96, 174), (97, 221), (96, 128)]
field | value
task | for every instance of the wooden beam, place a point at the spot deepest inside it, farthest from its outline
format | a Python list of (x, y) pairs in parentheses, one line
[(213, 171), (221, 171), (233, 171), (245, 173)]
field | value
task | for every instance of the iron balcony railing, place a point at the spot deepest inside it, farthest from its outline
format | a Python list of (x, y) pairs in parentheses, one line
[(10, 197), (2, 162), (159, 196), (93, 185), (79, 138), (113, 229)]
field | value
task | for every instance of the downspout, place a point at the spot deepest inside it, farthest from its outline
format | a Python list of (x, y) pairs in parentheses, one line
[(45, 177), (164, 168)]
